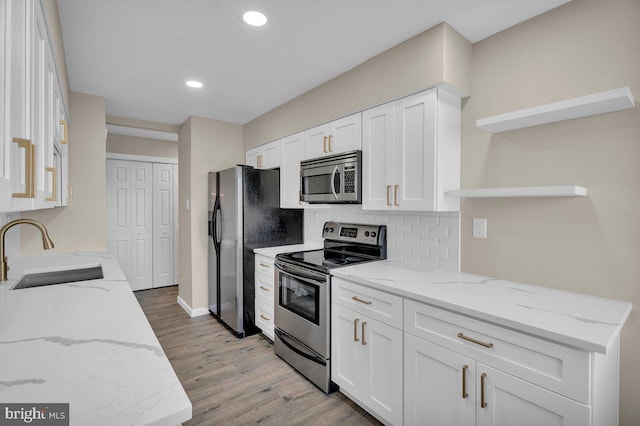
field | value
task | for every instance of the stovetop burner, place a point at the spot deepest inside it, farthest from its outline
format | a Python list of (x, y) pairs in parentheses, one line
[(344, 245)]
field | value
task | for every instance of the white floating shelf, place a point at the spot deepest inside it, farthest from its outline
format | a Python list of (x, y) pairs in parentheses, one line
[(528, 191), (584, 106)]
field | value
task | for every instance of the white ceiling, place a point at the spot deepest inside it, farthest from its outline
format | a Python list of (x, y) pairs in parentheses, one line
[(138, 53)]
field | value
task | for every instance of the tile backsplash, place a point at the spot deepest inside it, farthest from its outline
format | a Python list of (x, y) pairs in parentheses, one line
[(416, 238), (12, 239)]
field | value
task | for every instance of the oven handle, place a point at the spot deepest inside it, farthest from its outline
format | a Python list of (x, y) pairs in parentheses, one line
[(310, 357), (301, 273)]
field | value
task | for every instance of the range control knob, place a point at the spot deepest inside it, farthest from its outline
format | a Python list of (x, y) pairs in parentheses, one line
[(373, 233), (330, 230), (366, 233), (326, 229)]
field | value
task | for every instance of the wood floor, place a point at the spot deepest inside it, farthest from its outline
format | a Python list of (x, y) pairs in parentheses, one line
[(234, 381)]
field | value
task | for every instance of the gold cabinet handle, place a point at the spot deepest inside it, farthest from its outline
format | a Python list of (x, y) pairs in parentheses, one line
[(483, 403), (54, 184), (330, 150), (357, 299), (64, 125), (355, 330), (264, 265), (363, 324), (29, 169), (265, 318), (395, 195), (324, 144), (464, 382), (70, 196), (388, 196), (259, 161), (472, 340), (265, 288)]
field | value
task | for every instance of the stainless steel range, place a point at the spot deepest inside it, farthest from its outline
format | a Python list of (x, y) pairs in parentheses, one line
[(303, 299)]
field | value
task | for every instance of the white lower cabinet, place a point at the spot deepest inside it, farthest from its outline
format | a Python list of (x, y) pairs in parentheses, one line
[(366, 357), (412, 363), (264, 294), (443, 387)]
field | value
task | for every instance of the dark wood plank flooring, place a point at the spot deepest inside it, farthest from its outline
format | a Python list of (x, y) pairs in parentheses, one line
[(234, 381)]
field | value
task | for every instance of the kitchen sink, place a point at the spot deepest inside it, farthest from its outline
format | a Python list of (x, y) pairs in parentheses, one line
[(40, 279)]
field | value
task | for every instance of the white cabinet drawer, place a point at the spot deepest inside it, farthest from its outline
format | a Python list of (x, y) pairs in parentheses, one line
[(264, 318), (377, 304), (264, 264), (264, 287), (553, 366)]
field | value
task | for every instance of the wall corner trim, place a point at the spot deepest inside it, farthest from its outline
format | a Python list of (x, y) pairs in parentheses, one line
[(192, 312)]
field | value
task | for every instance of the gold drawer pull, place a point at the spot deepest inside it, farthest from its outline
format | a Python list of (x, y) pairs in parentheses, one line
[(54, 184), (29, 169), (357, 299), (264, 265), (388, 196), (330, 136), (265, 318), (70, 196), (324, 144), (464, 382), (355, 330), (483, 403), (265, 288), (395, 195), (363, 324), (472, 340), (64, 125)]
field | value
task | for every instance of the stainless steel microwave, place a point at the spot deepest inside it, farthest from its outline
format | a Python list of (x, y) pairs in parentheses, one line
[(332, 179)]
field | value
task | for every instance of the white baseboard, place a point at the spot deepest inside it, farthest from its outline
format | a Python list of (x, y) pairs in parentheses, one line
[(192, 312)]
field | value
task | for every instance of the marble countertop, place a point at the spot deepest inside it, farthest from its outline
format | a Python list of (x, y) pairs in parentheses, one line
[(273, 251), (586, 322), (85, 343)]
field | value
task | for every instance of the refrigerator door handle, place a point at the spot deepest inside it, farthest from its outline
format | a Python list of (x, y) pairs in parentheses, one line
[(218, 226)]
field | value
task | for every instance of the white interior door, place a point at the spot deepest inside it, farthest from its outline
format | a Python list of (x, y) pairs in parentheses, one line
[(163, 212), (129, 219), (176, 227)]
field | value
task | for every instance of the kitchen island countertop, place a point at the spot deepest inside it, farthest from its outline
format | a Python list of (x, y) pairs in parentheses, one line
[(85, 343), (583, 321)]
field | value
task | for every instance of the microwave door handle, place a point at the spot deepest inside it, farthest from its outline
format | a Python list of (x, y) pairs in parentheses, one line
[(333, 182)]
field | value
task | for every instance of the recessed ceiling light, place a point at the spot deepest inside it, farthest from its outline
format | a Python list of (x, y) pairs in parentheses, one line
[(193, 83), (254, 18)]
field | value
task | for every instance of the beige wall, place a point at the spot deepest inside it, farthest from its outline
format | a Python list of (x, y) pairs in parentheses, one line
[(204, 145), (436, 55), (124, 144), (81, 226), (588, 245)]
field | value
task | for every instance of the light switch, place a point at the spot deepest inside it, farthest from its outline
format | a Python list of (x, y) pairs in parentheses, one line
[(479, 227)]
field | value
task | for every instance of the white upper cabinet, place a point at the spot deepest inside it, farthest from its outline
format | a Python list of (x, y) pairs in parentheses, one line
[(31, 169), (411, 153), (291, 153), (342, 135), (265, 156), (17, 174)]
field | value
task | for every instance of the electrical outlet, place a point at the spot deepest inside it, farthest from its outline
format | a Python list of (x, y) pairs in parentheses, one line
[(479, 227)]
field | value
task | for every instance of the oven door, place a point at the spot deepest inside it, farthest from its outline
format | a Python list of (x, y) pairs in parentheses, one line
[(302, 306)]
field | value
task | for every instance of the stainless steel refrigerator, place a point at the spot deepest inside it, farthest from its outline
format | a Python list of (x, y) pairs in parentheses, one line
[(244, 213)]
